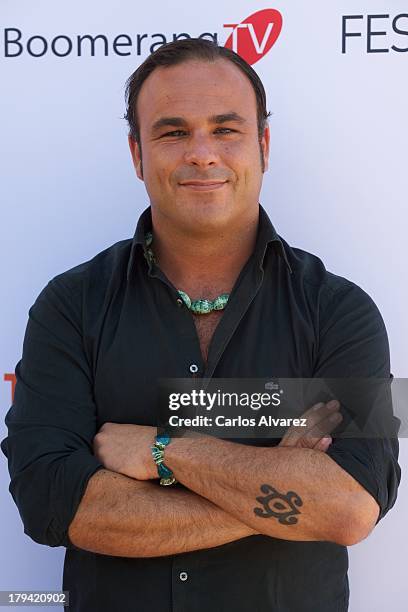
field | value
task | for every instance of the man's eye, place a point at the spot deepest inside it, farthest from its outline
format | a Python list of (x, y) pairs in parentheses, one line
[(177, 133), (174, 133)]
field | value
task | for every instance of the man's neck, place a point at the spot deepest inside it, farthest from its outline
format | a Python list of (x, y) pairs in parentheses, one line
[(204, 266)]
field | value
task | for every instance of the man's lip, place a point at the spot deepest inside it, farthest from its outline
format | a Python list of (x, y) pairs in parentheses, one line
[(202, 182), (203, 185)]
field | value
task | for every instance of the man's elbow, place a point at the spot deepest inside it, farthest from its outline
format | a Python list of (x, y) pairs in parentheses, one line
[(357, 525), (40, 522), (43, 530)]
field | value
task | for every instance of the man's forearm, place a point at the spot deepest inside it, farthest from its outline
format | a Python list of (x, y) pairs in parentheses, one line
[(120, 516), (288, 493)]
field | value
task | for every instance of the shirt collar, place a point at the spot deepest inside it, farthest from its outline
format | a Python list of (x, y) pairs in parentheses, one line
[(266, 235)]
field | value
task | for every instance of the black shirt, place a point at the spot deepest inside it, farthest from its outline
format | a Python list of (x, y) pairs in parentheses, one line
[(97, 339)]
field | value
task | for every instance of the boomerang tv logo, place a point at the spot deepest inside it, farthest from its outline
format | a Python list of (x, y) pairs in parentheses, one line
[(256, 35)]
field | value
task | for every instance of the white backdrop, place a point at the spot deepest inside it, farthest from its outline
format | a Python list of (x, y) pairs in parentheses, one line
[(336, 185)]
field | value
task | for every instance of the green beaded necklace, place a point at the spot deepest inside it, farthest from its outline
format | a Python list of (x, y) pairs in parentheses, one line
[(201, 306)]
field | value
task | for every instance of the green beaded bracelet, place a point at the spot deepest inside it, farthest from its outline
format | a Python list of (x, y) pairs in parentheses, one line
[(165, 474)]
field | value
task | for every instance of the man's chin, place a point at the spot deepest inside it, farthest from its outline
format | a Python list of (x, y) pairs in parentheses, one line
[(208, 214)]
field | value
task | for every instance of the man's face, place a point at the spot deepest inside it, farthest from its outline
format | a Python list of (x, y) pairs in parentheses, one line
[(199, 140)]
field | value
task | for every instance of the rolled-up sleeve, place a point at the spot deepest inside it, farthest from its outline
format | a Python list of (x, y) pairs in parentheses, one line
[(354, 344), (52, 421)]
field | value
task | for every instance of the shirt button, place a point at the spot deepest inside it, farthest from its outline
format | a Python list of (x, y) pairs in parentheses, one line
[(193, 368), (180, 302), (183, 576)]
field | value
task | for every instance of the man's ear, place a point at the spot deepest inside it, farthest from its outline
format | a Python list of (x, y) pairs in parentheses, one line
[(265, 147), (136, 156)]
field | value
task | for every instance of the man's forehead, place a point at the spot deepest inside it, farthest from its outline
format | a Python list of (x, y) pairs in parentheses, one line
[(195, 71), (196, 88)]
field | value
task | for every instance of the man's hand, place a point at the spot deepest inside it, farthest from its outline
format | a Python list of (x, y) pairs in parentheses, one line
[(321, 420), (125, 449)]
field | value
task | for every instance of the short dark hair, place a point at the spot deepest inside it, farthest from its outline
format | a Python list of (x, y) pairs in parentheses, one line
[(180, 51)]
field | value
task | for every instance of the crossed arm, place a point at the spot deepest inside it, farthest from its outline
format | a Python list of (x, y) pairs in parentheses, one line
[(122, 516), (231, 491), (123, 511)]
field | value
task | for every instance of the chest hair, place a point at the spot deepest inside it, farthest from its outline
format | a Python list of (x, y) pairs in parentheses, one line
[(205, 326)]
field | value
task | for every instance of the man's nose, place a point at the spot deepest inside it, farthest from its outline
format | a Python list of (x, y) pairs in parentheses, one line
[(200, 151)]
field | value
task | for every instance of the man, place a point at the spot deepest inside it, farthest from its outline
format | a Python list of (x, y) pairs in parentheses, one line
[(100, 335)]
